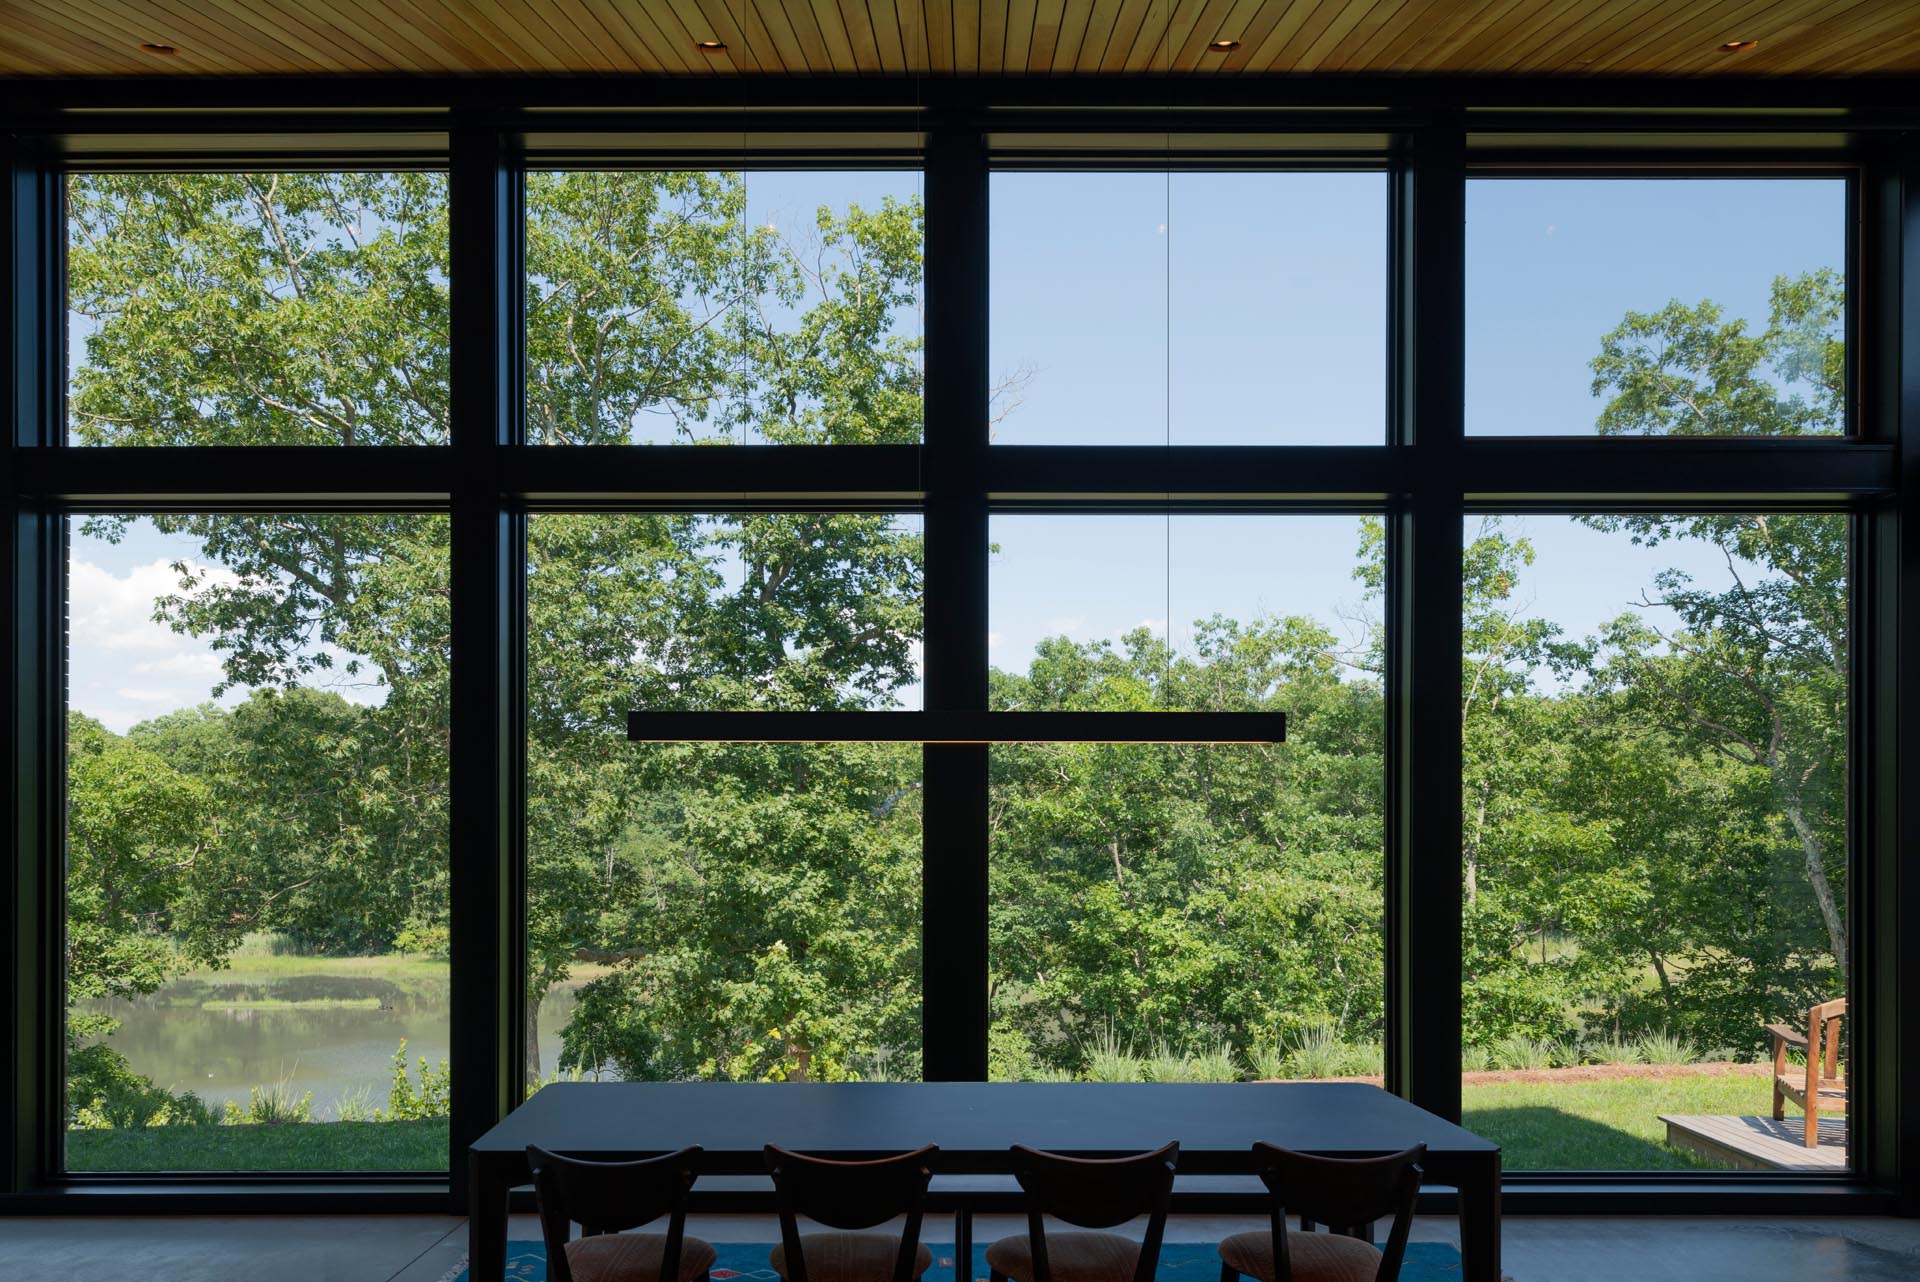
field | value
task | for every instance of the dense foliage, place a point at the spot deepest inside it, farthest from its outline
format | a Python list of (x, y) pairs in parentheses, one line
[(1655, 820)]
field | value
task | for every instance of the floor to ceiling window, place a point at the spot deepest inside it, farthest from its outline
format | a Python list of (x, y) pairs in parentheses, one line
[(728, 469), (737, 911), (257, 922), (1188, 912), (1655, 702)]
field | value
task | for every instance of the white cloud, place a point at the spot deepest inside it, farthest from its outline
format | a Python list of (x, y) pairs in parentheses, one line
[(115, 648), (125, 668), (995, 640), (108, 611), (1157, 626), (203, 664), (1066, 625), (149, 696)]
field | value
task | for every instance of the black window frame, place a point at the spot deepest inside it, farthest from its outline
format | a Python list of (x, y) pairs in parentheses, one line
[(1430, 134)]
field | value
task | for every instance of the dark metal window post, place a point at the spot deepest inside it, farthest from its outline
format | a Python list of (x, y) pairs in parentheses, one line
[(1423, 620), (953, 896), (486, 761)]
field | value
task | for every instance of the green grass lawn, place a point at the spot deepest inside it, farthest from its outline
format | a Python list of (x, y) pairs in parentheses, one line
[(298, 1146), (1559, 1125), (1603, 1125)]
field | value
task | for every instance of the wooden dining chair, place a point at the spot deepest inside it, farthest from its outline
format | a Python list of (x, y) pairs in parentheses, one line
[(604, 1198), (847, 1197), (1090, 1193), (1345, 1194)]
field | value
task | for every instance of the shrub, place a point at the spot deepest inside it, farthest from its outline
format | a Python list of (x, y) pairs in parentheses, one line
[(1109, 1059), (1009, 1053), (1215, 1065), (1613, 1049), (1664, 1048), (355, 1105), (1365, 1059), (1517, 1051), (274, 1106), (104, 1092), (424, 939), (1268, 1062), (1317, 1051), (1475, 1059), (407, 1102)]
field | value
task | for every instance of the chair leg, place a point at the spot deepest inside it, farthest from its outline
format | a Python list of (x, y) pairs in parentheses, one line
[(1779, 1103), (1813, 1123)]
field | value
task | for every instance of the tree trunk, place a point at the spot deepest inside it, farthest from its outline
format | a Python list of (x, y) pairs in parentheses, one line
[(1666, 985), (1471, 845), (1822, 888), (533, 1040)]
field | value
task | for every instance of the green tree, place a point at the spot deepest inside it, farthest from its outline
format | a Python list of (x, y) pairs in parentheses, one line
[(1190, 896), (313, 309), (1757, 672)]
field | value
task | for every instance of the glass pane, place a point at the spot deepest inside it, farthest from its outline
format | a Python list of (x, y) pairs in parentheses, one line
[(740, 911), (1188, 912), (256, 906), (1655, 832), (682, 307), (257, 309), (1656, 307), (1188, 308)]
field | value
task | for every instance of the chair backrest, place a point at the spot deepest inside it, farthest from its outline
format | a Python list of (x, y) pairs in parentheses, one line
[(606, 1197), (1345, 1194), (850, 1195), (1823, 1037), (1096, 1193)]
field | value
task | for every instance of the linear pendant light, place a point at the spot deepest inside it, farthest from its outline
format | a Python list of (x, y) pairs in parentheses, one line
[(957, 727)]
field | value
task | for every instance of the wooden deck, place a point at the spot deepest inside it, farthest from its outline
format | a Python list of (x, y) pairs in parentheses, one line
[(1760, 1143)]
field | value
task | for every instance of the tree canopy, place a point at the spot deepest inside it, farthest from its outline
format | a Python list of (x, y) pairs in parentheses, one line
[(1654, 816)]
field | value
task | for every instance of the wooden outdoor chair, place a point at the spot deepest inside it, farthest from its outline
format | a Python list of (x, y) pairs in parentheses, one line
[(605, 1197), (848, 1196), (1091, 1193), (1345, 1194), (1821, 1086)]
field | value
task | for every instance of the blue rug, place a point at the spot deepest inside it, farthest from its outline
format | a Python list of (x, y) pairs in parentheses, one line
[(1179, 1262)]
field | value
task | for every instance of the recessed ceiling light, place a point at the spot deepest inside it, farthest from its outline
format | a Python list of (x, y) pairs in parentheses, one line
[(710, 46), (1738, 46), (1226, 44), (152, 48)]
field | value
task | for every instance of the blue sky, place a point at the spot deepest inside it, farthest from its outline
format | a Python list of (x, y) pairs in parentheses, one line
[(1208, 309)]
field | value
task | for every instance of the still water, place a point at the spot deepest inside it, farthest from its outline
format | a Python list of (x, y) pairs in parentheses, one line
[(219, 1035)]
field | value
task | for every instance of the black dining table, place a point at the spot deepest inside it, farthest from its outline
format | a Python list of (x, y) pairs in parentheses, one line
[(975, 1124)]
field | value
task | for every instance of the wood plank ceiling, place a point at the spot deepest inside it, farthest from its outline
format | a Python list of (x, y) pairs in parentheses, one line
[(960, 37)]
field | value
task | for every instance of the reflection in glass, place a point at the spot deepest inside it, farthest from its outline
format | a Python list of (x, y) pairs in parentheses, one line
[(256, 907), (1655, 824)]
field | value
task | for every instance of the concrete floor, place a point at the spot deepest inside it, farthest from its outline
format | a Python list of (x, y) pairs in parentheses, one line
[(418, 1248)]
